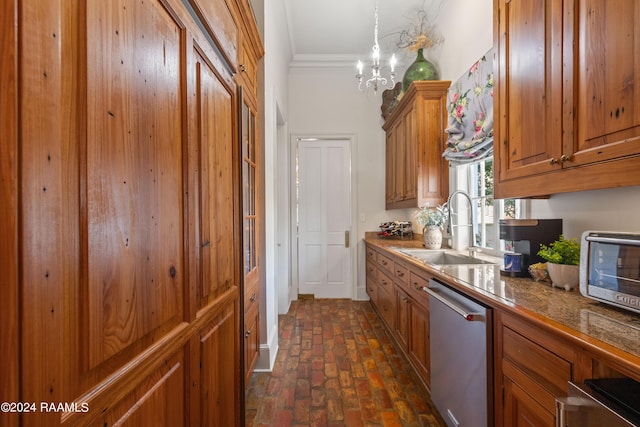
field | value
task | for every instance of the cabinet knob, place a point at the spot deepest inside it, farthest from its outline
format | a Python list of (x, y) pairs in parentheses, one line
[(253, 297), (564, 158), (553, 161), (246, 334), (243, 68)]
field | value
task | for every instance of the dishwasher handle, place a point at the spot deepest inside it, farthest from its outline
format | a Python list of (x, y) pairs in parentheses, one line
[(453, 306)]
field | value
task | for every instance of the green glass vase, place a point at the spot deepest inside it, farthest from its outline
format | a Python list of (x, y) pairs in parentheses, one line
[(421, 69)]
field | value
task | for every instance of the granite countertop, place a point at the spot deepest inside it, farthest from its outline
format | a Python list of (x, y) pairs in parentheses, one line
[(599, 326)]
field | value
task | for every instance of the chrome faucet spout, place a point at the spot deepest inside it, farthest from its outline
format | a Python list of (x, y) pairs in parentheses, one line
[(451, 225)]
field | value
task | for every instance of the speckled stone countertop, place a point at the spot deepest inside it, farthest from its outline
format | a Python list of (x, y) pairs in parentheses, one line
[(599, 327)]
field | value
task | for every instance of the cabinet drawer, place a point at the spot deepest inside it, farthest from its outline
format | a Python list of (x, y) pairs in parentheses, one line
[(401, 274), (372, 271), (544, 367), (385, 282), (385, 263), (416, 283), (371, 255)]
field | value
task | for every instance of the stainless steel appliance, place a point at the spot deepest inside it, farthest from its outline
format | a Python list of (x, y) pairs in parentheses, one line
[(610, 268), (610, 402), (527, 235), (460, 345)]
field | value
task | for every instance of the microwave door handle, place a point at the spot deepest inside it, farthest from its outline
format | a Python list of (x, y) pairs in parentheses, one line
[(617, 241)]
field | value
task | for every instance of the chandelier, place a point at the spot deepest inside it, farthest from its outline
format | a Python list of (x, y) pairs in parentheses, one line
[(376, 80)]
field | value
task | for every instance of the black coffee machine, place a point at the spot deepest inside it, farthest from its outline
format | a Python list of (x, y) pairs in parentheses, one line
[(527, 235)]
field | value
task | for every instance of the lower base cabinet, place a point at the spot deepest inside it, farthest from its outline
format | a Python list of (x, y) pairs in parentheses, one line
[(251, 342), (533, 368), (521, 409), (418, 348), (533, 361), (403, 307)]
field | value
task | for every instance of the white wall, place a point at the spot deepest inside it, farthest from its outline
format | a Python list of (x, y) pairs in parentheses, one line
[(271, 17), (615, 209), (327, 102)]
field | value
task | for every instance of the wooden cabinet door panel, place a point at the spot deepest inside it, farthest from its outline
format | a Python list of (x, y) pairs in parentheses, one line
[(432, 171), (220, 369), (157, 401), (402, 321), (607, 90), (215, 107), (419, 341), (390, 168), (409, 148), (251, 342), (217, 17), (520, 410), (133, 175), (529, 97)]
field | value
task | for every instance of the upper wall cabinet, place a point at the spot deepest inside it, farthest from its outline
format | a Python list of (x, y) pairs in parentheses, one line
[(416, 173), (567, 89)]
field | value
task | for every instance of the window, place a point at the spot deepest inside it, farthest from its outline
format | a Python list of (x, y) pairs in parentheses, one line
[(477, 179)]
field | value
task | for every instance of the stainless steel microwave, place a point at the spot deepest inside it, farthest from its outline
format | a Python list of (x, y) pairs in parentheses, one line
[(610, 268)]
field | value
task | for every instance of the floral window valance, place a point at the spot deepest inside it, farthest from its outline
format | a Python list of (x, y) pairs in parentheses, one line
[(470, 107)]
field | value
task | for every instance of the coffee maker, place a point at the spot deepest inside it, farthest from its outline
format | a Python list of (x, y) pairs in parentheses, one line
[(527, 235)]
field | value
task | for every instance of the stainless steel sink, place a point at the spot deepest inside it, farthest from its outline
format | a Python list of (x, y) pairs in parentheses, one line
[(436, 257)]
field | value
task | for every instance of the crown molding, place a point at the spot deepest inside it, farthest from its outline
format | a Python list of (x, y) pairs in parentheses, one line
[(321, 61)]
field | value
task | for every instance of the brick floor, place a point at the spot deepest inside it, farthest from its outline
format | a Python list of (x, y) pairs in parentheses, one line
[(337, 366)]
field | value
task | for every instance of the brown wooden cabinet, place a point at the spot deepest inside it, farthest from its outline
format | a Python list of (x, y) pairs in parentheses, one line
[(532, 370), (125, 133), (416, 174), (566, 96), (395, 291)]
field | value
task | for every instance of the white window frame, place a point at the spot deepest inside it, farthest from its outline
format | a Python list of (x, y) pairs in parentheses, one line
[(462, 177)]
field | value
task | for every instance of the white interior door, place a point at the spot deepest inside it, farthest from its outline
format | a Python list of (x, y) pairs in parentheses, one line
[(324, 218)]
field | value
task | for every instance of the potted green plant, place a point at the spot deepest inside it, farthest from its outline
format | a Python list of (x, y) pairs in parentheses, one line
[(563, 258), (432, 220)]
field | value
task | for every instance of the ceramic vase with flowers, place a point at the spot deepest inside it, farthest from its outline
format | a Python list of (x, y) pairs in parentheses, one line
[(563, 259), (432, 220)]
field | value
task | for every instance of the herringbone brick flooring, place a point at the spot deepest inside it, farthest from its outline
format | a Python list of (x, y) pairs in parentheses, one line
[(337, 366)]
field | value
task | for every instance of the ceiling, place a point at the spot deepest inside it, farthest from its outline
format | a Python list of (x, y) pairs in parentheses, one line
[(342, 30)]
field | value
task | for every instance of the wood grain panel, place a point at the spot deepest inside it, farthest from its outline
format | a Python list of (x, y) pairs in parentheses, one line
[(607, 124), (219, 345), (9, 249), (217, 17), (134, 200), (529, 97), (541, 364), (157, 401), (216, 146), (48, 206)]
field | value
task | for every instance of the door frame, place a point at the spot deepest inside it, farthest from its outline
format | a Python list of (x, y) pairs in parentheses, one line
[(353, 243)]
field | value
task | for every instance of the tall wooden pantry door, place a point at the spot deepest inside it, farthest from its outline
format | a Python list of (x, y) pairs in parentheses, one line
[(127, 209)]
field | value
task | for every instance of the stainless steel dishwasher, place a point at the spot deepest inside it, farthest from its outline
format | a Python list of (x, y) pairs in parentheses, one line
[(461, 362)]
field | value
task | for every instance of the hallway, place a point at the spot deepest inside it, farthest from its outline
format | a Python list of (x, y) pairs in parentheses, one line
[(337, 366)]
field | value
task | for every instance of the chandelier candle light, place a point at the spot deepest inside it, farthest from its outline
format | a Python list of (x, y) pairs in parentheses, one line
[(376, 80)]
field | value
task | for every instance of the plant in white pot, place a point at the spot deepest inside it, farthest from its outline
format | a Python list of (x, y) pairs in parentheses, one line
[(432, 219), (563, 258)]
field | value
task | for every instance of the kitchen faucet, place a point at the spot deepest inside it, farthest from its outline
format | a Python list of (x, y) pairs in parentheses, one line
[(472, 247)]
